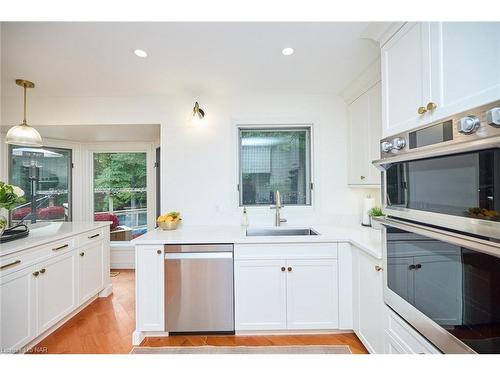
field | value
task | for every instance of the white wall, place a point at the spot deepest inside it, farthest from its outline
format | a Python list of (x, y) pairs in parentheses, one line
[(199, 162)]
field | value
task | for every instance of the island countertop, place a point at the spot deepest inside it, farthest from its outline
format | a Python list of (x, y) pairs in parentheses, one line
[(42, 233), (367, 239)]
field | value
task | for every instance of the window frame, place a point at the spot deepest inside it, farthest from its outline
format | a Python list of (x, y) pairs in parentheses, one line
[(70, 175), (278, 128)]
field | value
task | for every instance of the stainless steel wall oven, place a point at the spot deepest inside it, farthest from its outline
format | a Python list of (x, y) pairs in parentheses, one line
[(442, 230)]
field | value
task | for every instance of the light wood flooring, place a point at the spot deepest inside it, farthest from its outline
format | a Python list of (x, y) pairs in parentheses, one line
[(106, 326)]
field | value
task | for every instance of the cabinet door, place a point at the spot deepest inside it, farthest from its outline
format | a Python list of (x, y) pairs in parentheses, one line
[(312, 294), (90, 260), (358, 151), (375, 133), (465, 71), (368, 303), (56, 290), (405, 78), (17, 309), (260, 294), (150, 286)]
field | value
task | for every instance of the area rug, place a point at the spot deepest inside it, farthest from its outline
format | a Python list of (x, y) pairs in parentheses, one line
[(114, 273), (208, 349)]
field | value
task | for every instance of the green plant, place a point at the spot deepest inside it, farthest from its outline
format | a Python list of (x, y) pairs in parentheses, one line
[(375, 211), (10, 196)]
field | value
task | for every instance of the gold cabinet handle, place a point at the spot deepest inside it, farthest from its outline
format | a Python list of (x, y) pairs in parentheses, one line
[(10, 264), (158, 252), (289, 269), (82, 254), (42, 270), (283, 269), (94, 236), (378, 268), (421, 110), (60, 247), (36, 273), (431, 106)]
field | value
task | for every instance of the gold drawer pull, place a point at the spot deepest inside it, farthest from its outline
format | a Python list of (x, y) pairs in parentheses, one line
[(378, 268), (60, 247), (94, 236), (82, 254), (431, 106), (10, 265)]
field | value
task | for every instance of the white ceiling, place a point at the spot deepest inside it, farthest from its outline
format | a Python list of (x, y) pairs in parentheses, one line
[(96, 59)]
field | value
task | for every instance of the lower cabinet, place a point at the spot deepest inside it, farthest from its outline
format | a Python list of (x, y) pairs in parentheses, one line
[(17, 309), (56, 289), (368, 303), (90, 271), (276, 294)]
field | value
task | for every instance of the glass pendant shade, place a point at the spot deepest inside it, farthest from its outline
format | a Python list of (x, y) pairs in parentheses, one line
[(23, 135)]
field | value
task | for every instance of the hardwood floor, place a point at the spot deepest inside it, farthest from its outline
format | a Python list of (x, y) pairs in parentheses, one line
[(106, 326)]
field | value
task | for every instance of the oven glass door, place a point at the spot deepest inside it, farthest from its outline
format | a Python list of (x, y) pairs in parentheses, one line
[(466, 185), (458, 288)]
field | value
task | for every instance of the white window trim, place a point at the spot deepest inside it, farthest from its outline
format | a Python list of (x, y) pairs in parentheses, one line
[(106, 147), (276, 124)]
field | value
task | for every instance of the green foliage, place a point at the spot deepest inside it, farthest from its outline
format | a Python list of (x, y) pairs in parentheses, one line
[(120, 170), (375, 211), (8, 197)]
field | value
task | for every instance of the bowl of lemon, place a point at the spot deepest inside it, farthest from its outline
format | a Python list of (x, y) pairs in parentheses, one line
[(170, 221)]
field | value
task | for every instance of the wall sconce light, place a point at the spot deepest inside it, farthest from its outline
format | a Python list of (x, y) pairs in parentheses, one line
[(198, 112)]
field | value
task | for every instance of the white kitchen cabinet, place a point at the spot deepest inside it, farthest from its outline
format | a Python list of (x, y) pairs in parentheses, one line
[(439, 68), (365, 130), (401, 338), (368, 305), (406, 86), (289, 291), (312, 294), (18, 309), (90, 270), (464, 71), (260, 294), (56, 289), (150, 288)]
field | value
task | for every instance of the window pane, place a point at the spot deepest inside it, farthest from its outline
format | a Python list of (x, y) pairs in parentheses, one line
[(120, 193), (45, 176), (273, 160)]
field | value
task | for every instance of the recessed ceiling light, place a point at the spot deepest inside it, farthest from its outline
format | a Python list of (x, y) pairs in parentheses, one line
[(140, 53), (287, 51)]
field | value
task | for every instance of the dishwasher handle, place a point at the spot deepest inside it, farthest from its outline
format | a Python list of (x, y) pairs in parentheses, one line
[(210, 255)]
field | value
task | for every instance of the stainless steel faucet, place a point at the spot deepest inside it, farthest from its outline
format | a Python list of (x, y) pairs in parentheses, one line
[(277, 218)]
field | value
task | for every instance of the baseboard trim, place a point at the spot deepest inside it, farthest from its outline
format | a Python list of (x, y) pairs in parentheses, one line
[(106, 292), (139, 336), (293, 332)]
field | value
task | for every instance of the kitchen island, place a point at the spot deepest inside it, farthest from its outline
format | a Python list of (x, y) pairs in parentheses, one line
[(48, 276), (281, 283)]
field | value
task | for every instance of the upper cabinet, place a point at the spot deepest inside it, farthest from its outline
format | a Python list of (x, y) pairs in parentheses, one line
[(365, 130), (431, 70)]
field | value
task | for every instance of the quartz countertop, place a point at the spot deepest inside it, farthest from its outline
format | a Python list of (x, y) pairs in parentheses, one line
[(43, 233), (367, 239)]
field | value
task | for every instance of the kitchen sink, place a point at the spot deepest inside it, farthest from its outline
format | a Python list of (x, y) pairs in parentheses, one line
[(281, 232)]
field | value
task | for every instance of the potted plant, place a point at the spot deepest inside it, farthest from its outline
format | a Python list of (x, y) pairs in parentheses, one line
[(375, 212), (10, 197)]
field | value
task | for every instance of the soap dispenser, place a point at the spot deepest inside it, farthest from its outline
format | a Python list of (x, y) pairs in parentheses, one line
[(244, 218)]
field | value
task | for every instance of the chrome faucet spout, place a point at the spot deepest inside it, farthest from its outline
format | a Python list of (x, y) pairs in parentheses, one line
[(277, 206)]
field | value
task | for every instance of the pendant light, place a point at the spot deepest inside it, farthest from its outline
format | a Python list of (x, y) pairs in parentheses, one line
[(23, 134)]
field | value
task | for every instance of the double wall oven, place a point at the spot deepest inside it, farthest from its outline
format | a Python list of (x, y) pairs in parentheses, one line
[(442, 229)]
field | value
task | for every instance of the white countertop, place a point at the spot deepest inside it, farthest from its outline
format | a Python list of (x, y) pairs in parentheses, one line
[(367, 239), (42, 233)]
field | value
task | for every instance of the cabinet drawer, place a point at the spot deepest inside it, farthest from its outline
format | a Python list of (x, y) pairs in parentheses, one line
[(90, 236), (407, 337), (286, 251), (25, 258)]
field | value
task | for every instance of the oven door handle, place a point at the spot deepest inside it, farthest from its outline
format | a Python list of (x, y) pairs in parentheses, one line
[(482, 246)]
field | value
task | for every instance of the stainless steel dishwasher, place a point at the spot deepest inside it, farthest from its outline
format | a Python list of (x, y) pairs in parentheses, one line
[(199, 291)]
